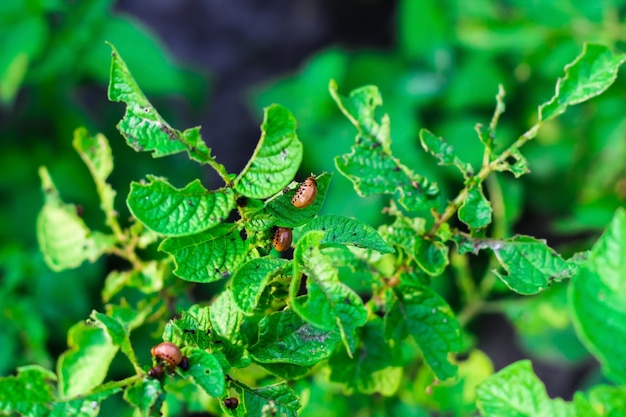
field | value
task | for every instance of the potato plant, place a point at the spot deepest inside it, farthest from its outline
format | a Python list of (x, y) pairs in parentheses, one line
[(301, 303)]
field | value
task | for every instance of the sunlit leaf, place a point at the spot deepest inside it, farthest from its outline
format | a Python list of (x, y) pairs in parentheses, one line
[(340, 230), (30, 392), (276, 159), (596, 296), (64, 238), (179, 212), (86, 363), (208, 256), (516, 391)]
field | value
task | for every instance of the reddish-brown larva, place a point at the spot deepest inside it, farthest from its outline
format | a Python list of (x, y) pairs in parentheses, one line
[(156, 372), (231, 403), (282, 239), (167, 352), (305, 196)]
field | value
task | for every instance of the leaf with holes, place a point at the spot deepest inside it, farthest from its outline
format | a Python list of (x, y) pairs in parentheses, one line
[(208, 256), (443, 151), (206, 371), (276, 158), (142, 126), (529, 263), (370, 165), (179, 212)]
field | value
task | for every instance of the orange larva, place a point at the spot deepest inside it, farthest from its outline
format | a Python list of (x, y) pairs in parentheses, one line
[(282, 239), (167, 352), (305, 196)]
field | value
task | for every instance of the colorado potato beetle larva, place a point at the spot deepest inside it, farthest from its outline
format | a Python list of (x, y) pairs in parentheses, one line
[(305, 196), (282, 239)]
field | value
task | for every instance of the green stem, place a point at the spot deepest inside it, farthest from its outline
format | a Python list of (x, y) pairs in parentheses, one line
[(485, 171)]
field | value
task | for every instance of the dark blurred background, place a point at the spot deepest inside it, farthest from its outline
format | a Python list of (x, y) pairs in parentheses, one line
[(217, 63)]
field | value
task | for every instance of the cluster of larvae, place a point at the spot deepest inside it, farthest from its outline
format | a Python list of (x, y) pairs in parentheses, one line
[(304, 197)]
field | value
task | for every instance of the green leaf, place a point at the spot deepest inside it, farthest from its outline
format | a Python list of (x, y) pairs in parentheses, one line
[(515, 391), (601, 401), (96, 153), (530, 264), (519, 166), (329, 304), (118, 333), (79, 407), (284, 214), (85, 365), (272, 400), (340, 230), (596, 297), (373, 367), (206, 371), (284, 337), (276, 158), (403, 233), (443, 151), (370, 165), (29, 393), (250, 280), (476, 209), (431, 256), (426, 316), (142, 126), (592, 72), (208, 256), (194, 328), (487, 135), (64, 238), (179, 212), (226, 319), (147, 396)]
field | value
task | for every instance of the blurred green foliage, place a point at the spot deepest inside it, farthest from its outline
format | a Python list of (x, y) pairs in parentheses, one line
[(53, 62), (443, 73)]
